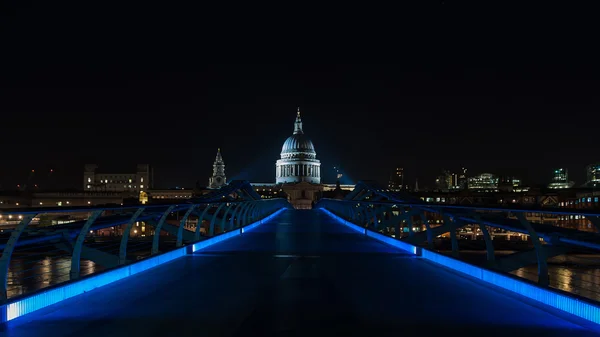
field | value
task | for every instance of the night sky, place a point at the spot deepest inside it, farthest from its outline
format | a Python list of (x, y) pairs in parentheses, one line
[(67, 105)]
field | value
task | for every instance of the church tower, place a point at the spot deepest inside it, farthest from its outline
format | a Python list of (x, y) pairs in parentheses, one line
[(218, 178)]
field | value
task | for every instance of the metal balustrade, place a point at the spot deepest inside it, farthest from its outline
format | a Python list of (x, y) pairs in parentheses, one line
[(421, 225), (49, 246)]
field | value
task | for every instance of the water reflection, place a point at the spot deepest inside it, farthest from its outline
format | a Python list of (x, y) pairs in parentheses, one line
[(583, 280), (34, 268), (26, 275)]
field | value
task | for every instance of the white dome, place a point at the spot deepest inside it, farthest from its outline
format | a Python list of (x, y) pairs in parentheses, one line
[(298, 161), (298, 143)]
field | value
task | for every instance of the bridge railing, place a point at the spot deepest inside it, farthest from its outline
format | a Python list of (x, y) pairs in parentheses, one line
[(505, 240), (49, 246)]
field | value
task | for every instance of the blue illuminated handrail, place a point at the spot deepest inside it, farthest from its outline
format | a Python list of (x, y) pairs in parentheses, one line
[(60, 243)]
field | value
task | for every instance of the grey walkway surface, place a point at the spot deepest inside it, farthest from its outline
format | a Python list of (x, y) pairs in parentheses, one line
[(301, 274)]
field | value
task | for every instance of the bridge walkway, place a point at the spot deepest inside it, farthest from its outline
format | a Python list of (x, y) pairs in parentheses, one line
[(300, 274)]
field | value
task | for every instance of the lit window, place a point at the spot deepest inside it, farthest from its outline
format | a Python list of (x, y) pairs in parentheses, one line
[(89, 180), (142, 179), (88, 186)]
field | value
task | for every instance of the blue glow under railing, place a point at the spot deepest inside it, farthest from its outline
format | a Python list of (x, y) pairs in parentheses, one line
[(580, 307), (22, 305)]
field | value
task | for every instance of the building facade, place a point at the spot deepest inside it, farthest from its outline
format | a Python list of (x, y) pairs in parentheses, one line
[(485, 182), (560, 179), (134, 182), (593, 175), (396, 182)]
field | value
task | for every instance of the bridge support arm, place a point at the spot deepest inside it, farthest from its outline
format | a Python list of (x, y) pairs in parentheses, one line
[(489, 244), (158, 228), (453, 237), (7, 253), (237, 212), (211, 231), (428, 228), (543, 276), (200, 219), (77, 246), (224, 219), (125, 237), (182, 225), (247, 217)]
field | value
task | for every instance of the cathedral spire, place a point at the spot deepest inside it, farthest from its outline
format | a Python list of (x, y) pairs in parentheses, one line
[(218, 178), (298, 124)]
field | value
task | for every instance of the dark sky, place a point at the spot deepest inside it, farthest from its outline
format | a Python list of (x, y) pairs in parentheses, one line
[(64, 105)]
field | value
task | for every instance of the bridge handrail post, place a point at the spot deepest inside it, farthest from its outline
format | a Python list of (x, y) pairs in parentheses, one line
[(182, 223), (543, 276), (489, 244), (236, 215), (158, 228), (211, 230), (200, 219), (7, 253), (125, 237), (224, 219), (428, 228), (453, 236), (246, 212), (241, 221), (409, 221), (78, 244)]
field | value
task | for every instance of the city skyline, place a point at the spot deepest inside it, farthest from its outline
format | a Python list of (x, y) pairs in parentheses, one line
[(366, 118)]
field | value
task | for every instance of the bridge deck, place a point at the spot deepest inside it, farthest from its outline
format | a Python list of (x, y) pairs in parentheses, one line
[(300, 274)]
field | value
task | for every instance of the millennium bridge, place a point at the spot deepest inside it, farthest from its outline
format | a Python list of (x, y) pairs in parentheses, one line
[(232, 264)]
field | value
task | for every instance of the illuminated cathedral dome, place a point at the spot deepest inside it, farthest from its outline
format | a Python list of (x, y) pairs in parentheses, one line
[(298, 144), (298, 158)]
